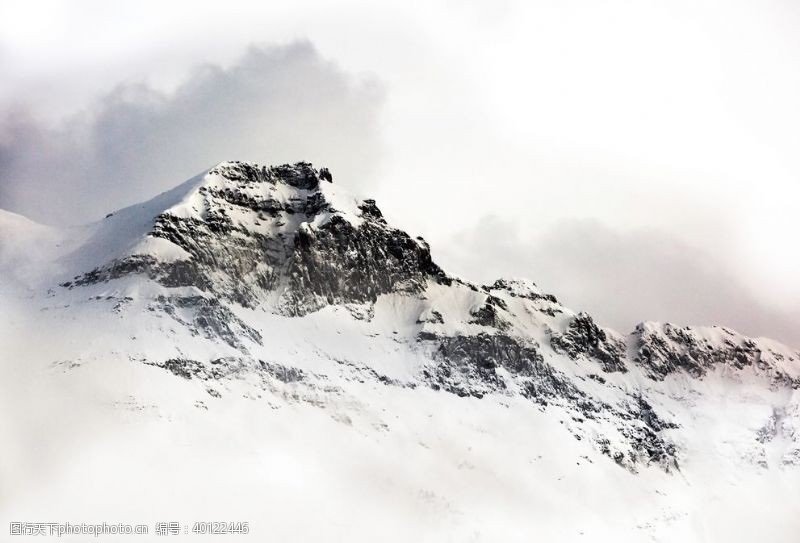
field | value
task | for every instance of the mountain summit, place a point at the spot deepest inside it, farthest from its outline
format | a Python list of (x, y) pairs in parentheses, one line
[(284, 235), (250, 289)]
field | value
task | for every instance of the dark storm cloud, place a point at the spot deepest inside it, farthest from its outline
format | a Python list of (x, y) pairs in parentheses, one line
[(277, 104), (620, 278)]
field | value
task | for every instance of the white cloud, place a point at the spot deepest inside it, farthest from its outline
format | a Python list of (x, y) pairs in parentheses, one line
[(277, 104)]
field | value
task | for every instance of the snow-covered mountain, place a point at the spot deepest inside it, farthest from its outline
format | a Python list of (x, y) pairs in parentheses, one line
[(258, 345)]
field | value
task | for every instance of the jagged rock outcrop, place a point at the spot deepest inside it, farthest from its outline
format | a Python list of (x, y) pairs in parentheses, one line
[(209, 318), (490, 313), (663, 349), (468, 365), (584, 338), (339, 262), (521, 288), (258, 229)]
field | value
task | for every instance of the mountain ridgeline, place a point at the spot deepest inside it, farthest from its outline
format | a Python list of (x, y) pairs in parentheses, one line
[(245, 250)]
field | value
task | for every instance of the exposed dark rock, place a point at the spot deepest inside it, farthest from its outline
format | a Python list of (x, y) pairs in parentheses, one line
[(184, 367), (584, 338), (315, 204), (370, 210), (334, 262), (434, 317), (325, 174), (664, 349), (209, 318), (301, 175), (467, 365), (230, 367), (285, 374), (342, 263), (488, 314), (521, 289)]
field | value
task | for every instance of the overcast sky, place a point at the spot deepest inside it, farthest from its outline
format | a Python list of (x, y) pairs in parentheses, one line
[(637, 159)]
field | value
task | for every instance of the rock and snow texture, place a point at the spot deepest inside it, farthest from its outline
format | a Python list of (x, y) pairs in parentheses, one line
[(258, 345)]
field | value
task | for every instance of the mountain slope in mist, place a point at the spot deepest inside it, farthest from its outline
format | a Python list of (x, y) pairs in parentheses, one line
[(259, 345)]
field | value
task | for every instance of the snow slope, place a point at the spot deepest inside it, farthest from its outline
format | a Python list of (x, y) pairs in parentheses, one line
[(258, 345)]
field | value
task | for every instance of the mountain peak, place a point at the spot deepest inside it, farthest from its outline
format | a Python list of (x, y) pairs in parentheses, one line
[(270, 286), (301, 175), (257, 234), (243, 254)]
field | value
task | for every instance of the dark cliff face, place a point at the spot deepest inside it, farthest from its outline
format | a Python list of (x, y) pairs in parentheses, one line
[(307, 250), (666, 349), (584, 338), (340, 263)]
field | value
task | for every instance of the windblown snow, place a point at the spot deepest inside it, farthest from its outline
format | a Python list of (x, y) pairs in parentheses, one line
[(258, 345)]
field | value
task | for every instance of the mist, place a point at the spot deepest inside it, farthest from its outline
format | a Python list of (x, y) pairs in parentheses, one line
[(277, 104)]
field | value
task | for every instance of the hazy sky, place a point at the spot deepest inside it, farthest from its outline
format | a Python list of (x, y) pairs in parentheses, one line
[(638, 159)]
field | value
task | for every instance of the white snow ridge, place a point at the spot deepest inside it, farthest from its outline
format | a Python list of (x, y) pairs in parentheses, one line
[(258, 346)]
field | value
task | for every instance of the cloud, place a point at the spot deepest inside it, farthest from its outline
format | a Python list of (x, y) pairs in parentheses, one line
[(621, 278), (277, 104)]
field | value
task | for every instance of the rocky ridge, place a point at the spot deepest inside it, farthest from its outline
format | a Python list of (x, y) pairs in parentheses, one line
[(283, 240)]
